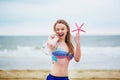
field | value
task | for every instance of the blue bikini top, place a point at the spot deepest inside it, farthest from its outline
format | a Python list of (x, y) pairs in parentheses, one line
[(59, 53)]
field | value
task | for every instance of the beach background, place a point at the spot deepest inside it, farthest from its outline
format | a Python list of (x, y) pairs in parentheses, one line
[(22, 57), (24, 52), (26, 24)]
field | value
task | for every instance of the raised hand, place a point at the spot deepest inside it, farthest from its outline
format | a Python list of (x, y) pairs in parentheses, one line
[(77, 38)]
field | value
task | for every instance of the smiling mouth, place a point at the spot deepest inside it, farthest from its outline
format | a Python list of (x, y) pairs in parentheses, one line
[(60, 35)]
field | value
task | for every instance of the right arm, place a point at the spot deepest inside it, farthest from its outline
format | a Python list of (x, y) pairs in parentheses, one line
[(77, 52), (51, 43)]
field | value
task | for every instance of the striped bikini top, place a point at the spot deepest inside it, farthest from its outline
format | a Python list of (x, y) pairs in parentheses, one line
[(59, 53)]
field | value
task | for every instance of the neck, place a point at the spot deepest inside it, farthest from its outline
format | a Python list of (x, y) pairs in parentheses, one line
[(62, 40)]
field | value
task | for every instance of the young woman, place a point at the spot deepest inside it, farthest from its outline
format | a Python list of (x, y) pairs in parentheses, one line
[(62, 50)]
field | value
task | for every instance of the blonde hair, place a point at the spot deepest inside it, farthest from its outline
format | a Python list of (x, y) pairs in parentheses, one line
[(68, 36)]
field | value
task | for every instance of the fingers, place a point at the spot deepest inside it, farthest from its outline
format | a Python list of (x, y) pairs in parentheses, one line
[(77, 38), (77, 34), (53, 36)]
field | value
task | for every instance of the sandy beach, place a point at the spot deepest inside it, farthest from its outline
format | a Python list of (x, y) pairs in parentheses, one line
[(73, 74)]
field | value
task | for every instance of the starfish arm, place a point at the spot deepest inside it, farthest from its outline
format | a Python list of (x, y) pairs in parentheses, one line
[(74, 30), (76, 25), (81, 25), (82, 30), (77, 28)]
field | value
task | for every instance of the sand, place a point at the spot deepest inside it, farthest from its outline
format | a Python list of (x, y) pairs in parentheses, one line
[(73, 74)]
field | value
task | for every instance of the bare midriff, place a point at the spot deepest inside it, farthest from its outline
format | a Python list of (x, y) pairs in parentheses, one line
[(60, 68)]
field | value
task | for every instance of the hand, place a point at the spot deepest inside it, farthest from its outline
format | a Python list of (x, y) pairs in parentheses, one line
[(77, 38), (54, 36)]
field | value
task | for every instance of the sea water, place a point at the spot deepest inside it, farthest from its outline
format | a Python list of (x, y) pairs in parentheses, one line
[(24, 52)]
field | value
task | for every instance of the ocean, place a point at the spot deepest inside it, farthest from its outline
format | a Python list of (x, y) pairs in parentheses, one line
[(25, 52)]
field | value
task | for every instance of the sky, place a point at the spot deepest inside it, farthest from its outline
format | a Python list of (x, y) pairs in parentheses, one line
[(37, 17)]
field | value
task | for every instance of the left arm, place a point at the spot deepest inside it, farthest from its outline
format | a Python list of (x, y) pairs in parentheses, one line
[(77, 51)]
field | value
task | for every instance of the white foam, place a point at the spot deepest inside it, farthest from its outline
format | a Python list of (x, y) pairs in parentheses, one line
[(22, 51), (26, 50), (92, 58)]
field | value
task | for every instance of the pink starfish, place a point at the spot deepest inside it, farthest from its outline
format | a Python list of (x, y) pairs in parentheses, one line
[(78, 28)]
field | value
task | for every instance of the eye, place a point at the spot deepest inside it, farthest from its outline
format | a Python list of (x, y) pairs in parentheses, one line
[(62, 29), (57, 29)]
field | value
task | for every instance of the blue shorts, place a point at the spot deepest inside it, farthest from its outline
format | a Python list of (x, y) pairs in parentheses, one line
[(51, 77)]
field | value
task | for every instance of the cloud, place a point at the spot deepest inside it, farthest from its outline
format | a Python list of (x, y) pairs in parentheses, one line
[(58, 8), (27, 29), (18, 15)]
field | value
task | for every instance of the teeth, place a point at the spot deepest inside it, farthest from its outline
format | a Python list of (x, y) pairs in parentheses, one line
[(61, 35)]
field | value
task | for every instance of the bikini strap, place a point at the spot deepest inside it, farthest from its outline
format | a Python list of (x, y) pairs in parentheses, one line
[(56, 45)]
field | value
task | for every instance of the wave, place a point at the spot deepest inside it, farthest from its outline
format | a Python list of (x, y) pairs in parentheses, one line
[(39, 51), (92, 58), (101, 49), (22, 51)]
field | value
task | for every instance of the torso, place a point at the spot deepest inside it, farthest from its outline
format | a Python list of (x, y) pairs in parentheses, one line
[(60, 67)]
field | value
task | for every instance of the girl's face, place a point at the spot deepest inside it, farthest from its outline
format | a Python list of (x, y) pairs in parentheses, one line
[(61, 30)]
